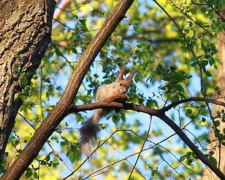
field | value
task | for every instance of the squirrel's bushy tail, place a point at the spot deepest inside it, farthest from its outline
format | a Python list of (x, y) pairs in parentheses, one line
[(89, 130), (88, 134)]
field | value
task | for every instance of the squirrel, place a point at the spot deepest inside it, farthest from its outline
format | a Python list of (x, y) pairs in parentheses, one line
[(106, 93)]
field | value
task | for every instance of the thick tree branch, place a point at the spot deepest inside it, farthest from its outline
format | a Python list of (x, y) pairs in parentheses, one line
[(129, 106), (60, 110)]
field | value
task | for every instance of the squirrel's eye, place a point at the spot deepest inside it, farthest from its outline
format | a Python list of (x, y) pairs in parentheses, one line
[(121, 84)]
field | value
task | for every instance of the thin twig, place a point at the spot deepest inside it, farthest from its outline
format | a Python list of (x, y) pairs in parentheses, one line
[(141, 148)]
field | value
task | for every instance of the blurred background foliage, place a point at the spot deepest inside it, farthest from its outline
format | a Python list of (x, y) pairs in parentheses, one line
[(172, 44)]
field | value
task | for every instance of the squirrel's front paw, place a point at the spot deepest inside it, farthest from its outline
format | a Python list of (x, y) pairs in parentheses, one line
[(122, 97), (117, 97)]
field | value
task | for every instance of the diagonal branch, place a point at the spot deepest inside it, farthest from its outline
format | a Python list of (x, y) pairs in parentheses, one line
[(190, 144), (60, 110), (142, 148)]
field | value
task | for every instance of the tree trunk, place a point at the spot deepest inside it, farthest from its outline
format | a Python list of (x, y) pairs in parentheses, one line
[(215, 146), (25, 28)]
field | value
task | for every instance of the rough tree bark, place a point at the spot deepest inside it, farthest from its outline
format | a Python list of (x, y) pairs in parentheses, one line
[(25, 28), (215, 147)]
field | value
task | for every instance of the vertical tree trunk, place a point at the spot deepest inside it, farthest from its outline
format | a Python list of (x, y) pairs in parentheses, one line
[(215, 146), (25, 28)]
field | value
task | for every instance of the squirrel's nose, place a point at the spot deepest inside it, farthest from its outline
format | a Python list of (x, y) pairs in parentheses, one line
[(123, 91)]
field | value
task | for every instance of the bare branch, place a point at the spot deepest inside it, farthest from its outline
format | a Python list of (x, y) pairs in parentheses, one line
[(142, 148)]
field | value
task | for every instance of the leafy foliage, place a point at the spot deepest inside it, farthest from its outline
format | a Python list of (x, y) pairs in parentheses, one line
[(174, 61)]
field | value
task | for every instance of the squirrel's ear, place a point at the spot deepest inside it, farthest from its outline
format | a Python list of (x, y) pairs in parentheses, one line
[(130, 77), (120, 76)]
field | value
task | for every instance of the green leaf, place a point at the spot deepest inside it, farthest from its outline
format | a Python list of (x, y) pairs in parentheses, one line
[(74, 153), (103, 126), (152, 103), (43, 162), (204, 63), (36, 175), (28, 173), (151, 166), (188, 112), (208, 74), (47, 158), (216, 123), (175, 98), (116, 118), (213, 160), (191, 33), (179, 88), (23, 81), (199, 43), (203, 119), (194, 64), (16, 67), (182, 158)]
